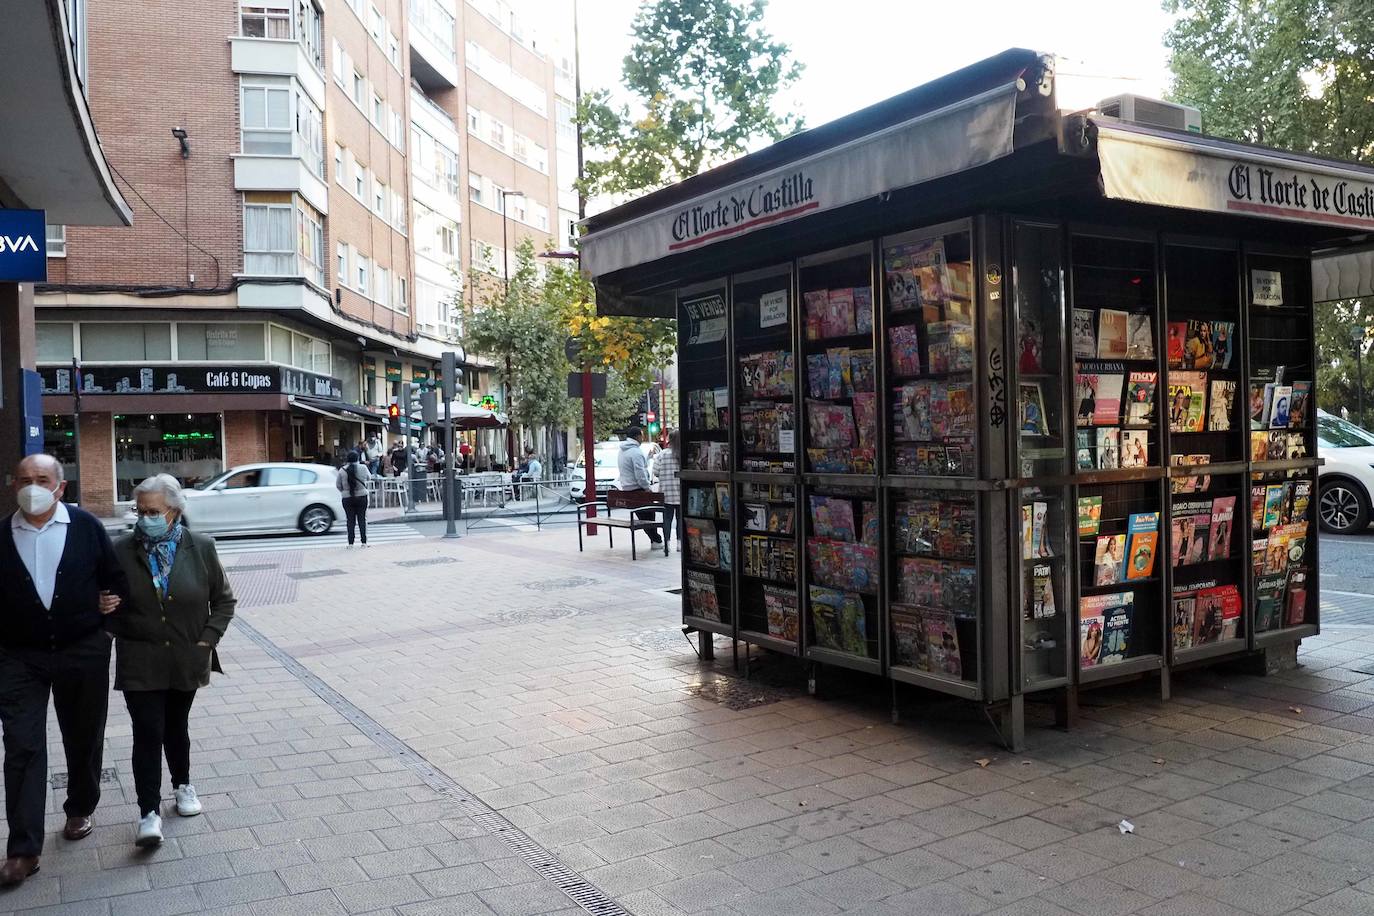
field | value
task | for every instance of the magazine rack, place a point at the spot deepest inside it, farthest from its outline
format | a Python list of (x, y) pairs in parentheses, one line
[(992, 399)]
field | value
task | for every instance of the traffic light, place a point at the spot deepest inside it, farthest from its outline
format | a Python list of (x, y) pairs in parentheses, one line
[(393, 419)]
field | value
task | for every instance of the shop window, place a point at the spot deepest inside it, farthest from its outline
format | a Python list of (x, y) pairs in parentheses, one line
[(54, 340), (187, 446), (218, 341), (59, 440), (125, 342)]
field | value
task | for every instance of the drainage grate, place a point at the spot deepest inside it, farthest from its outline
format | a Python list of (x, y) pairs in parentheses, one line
[(316, 573), (426, 561), (553, 585), (578, 889), (733, 693), (531, 615), (108, 777)]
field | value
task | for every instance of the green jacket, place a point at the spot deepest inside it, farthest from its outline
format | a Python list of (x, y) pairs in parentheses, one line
[(155, 638)]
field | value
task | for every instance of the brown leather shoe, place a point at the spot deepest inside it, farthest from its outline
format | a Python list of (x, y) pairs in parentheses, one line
[(16, 869), (78, 828)]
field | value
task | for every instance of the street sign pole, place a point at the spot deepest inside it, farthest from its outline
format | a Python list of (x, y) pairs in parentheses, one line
[(588, 444), (76, 425), (410, 456), (453, 504)]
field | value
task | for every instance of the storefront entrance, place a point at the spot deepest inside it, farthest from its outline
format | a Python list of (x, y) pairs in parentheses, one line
[(189, 446)]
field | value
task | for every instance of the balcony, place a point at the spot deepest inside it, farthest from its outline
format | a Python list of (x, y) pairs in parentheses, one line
[(277, 57), (433, 58), (280, 173)]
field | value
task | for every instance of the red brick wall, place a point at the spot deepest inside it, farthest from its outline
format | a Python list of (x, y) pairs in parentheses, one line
[(155, 65), (97, 463), (245, 437)]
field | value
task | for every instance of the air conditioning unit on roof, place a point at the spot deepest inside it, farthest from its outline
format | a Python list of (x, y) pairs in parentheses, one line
[(1153, 112)]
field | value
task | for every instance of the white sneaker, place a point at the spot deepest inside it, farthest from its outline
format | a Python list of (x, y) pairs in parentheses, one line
[(187, 803), (149, 831)]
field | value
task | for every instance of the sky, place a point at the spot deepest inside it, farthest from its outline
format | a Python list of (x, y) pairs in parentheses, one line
[(857, 52)]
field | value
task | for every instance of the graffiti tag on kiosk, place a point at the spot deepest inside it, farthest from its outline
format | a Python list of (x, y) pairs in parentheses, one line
[(997, 389)]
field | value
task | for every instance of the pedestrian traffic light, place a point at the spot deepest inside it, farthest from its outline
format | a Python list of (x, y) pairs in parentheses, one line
[(393, 419), (654, 428)]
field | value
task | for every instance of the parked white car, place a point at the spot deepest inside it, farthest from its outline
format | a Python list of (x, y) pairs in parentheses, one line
[(607, 468), (1347, 478), (265, 498)]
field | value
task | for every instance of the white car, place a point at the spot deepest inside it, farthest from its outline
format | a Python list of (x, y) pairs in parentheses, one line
[(260, 498), (1347, 478), (607, 468)]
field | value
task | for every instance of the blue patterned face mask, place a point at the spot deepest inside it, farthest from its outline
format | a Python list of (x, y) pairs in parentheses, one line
[(153, 527)]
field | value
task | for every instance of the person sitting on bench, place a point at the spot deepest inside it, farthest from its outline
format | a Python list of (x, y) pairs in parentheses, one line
[(634, 473)]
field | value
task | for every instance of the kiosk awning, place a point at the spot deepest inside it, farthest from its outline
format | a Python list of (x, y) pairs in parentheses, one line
[(963, 135), (1170, 169)]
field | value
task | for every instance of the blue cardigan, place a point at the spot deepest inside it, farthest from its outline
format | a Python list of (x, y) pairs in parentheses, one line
[(88, 567)]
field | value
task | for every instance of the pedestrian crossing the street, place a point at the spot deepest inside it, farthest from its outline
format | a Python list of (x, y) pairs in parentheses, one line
[(377, 535)]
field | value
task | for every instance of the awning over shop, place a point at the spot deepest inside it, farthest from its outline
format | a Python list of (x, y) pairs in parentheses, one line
[(466, 416), (1343, 274), (338, 410), (1171, 169)]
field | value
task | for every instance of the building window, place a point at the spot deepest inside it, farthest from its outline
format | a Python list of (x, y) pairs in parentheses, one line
[(219, 341), (393, 49), (281, 344), (54, 341), (311, 33), (363, 268), (402, 299), (520, 147), (341, 259), (378, 112), (398, 131), (376, 26), (496, 132), (126, 341), (446, 170), (541, 216), (265, 19), (57, 241), (268, 246), (475, 185), (382, 287), (310, 130), (398, 212), (340, 63), (310, 242), (474, 120), (359, 89), (359, 181), (379, 199), (266, 106), (448, 238), (338, 163)]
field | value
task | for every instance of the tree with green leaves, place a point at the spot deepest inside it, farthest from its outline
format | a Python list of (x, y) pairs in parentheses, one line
[(704, 76), (1295, 74)]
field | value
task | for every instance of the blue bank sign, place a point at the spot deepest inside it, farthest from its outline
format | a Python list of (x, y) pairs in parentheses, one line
[(23, 246)]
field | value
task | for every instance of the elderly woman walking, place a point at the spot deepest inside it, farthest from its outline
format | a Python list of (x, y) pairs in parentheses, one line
[(179, 606)]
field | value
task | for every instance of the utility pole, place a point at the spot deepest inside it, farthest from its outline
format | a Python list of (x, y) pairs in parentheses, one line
[(505, 263)]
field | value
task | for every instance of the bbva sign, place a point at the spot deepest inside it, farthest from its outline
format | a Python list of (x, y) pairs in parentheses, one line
[(23, 246)]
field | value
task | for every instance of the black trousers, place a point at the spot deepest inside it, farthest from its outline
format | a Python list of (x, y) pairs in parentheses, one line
[(161, 720), (355, 515), (672, 514), (78, 678)]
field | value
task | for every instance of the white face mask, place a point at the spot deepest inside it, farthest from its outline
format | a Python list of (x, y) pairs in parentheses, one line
[(35, 499)]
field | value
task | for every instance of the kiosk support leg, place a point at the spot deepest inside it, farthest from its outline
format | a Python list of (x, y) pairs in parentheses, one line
[(1066, 708), (1012, 723), (706, 641), (1165, 689), (896, 710), (813, 676)]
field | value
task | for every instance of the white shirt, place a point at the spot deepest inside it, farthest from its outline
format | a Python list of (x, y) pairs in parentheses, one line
[(41, 549)]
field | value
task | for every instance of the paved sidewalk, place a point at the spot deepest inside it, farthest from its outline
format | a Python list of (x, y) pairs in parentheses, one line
[(556, 689)]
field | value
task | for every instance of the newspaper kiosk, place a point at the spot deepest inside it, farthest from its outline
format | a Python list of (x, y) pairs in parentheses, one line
[(990, 398)]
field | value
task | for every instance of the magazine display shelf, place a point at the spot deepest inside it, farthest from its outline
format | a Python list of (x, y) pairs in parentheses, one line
[(963, 425)]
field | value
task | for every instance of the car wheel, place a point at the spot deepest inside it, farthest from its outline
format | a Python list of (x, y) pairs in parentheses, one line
[(1343, 508), (317, 520)]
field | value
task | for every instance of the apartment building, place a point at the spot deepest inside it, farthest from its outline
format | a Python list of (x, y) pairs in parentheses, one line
[(315, 184)]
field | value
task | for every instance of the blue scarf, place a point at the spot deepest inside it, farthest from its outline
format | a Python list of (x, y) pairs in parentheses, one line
[(161, 553)]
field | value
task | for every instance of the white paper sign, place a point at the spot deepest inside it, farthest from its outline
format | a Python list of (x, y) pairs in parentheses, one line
[(1266, 287), (773, 309), (786, 441)]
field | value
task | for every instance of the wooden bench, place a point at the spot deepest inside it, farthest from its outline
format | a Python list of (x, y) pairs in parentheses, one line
[(636, 502)]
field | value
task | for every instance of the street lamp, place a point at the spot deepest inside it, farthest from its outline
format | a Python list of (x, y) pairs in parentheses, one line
[(505, 259), (1357, 337)]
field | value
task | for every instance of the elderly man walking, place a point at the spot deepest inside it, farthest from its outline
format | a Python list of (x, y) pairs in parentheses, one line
[(61, 576)]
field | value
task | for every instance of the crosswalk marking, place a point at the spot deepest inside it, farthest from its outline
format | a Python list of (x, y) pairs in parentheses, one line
[(334, 540)]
